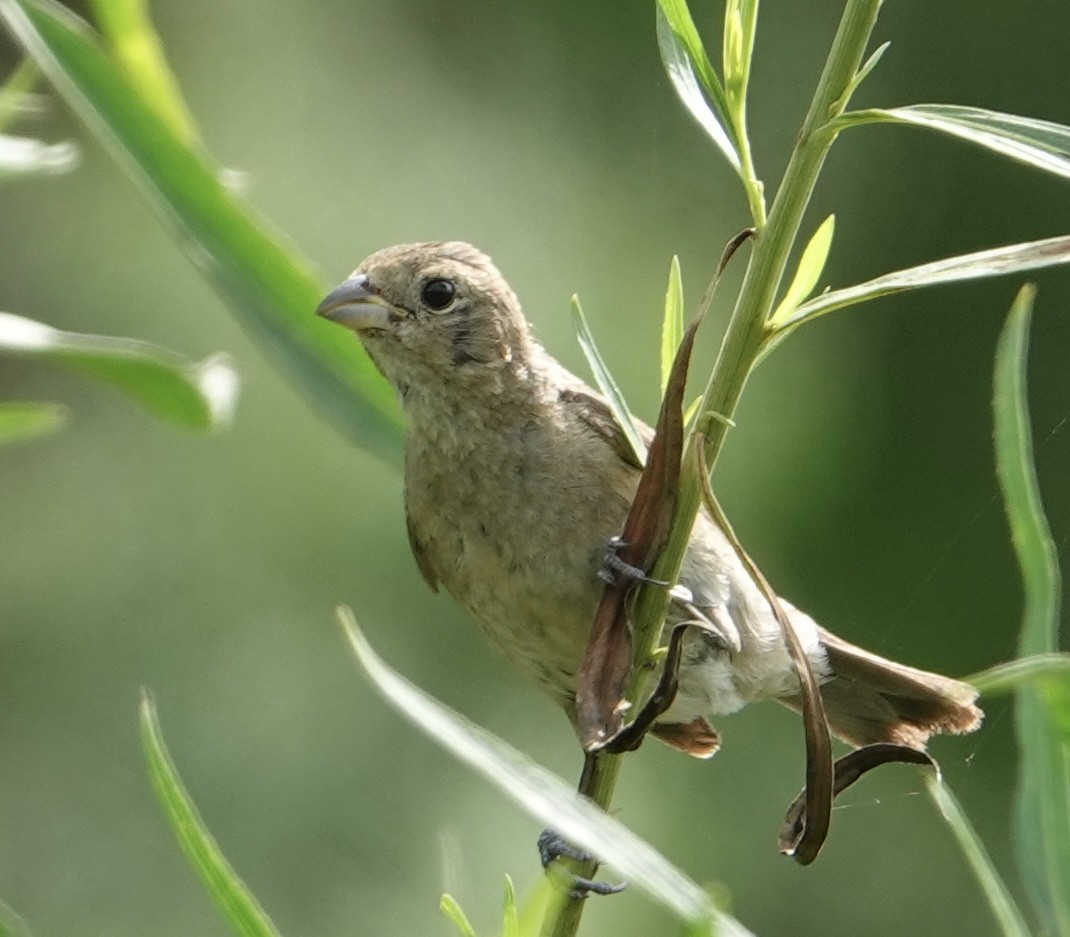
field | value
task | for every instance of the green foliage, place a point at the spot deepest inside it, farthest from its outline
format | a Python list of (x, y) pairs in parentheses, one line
[(672, 322), (603, 377), (234, 900), (1043, 710), (807, 273), (266, 282), (26, 420), (198, 395), (539, 792), (124, 91)]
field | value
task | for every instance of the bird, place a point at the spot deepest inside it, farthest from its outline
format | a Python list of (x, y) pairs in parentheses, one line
[(516, 478)]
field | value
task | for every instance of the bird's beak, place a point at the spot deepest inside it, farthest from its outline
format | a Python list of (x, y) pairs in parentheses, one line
[(355, 304)]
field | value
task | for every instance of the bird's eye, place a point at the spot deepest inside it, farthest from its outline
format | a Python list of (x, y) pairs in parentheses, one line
[(438, 294)]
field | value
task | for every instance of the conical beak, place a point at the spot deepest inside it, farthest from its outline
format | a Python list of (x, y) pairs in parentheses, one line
[(356, 305)]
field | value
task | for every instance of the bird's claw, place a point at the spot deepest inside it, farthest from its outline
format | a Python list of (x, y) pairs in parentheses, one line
[(613, 566), (553, 846)]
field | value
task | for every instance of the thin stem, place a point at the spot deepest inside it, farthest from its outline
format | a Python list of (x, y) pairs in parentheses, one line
[(746, 332), (740, 349), (598, 781)]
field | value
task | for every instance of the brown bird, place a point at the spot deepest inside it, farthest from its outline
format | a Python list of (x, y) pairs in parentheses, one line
[(517, 476)]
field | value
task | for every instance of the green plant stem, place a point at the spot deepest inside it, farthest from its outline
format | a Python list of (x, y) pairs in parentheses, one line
[(598, 782), (740, 348), (747, 330)]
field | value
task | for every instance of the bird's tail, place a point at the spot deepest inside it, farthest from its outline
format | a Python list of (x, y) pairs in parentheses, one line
[(869, 699)]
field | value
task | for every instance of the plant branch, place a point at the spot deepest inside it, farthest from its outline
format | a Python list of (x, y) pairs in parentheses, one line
[(740, 349)]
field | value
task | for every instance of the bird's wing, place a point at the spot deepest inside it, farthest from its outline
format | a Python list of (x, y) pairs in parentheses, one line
[(596, 415), (419, 552)]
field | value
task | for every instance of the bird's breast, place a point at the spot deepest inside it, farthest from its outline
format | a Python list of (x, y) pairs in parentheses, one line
[(517, 536)]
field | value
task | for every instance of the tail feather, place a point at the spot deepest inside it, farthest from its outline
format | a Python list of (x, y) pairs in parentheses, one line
[(869, 699)]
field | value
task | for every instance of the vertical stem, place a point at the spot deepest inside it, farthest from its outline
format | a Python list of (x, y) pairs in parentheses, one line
[(746, 330), (598, 781), (738, 354)]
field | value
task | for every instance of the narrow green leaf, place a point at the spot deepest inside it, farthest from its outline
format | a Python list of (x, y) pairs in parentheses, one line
[(732, 48), (510, 918), (539, 792), (1042, 825), (678, 19), (1037, 668), (15, 92), (863, 72), (811, 266), (268, 284), (25, 420), (127, 27), (197, 394), (20, 156), (995, 891), (999, 261), (542, 904), (672, 322), (1038, 143), (604, 379), (452, 910), (237, 904), (681, 53), (740, 25)]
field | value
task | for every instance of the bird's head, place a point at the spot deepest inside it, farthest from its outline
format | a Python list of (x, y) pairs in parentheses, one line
[(431, 314)]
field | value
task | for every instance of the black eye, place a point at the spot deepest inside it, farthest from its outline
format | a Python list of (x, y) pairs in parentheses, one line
[(438, 294)]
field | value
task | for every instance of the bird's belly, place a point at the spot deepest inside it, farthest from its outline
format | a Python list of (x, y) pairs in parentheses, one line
[(534, 599)]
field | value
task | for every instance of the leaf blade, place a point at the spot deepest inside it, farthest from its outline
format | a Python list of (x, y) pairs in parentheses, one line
[(605, 381), (672, 322), (1042, 144), (271, 288), (675, 44), (1042, 824), (538, 791), (998, 261), (1004, 908), (232, 897), (19, 421), (808, 272), (194, 394)]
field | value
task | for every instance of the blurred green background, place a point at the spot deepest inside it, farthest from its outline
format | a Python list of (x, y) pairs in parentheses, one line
[(207, 568)]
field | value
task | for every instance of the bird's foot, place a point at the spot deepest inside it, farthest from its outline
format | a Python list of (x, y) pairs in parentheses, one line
[(553, 846), (613, 566)]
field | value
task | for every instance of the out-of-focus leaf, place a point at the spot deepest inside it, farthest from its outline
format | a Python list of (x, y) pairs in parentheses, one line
[(237, 904), (127, 27), (198, 394), (543, 795), (811, 266), (1038, 143), (449, 906), (510, 918), (272, 288), (25, 420), (1044, 669), (11, 925), (1042, 827), (995, 891), (681, 53), (604, 379), (16, 91), (999, 261), (20, 156), (672, 322), (543, 902)]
